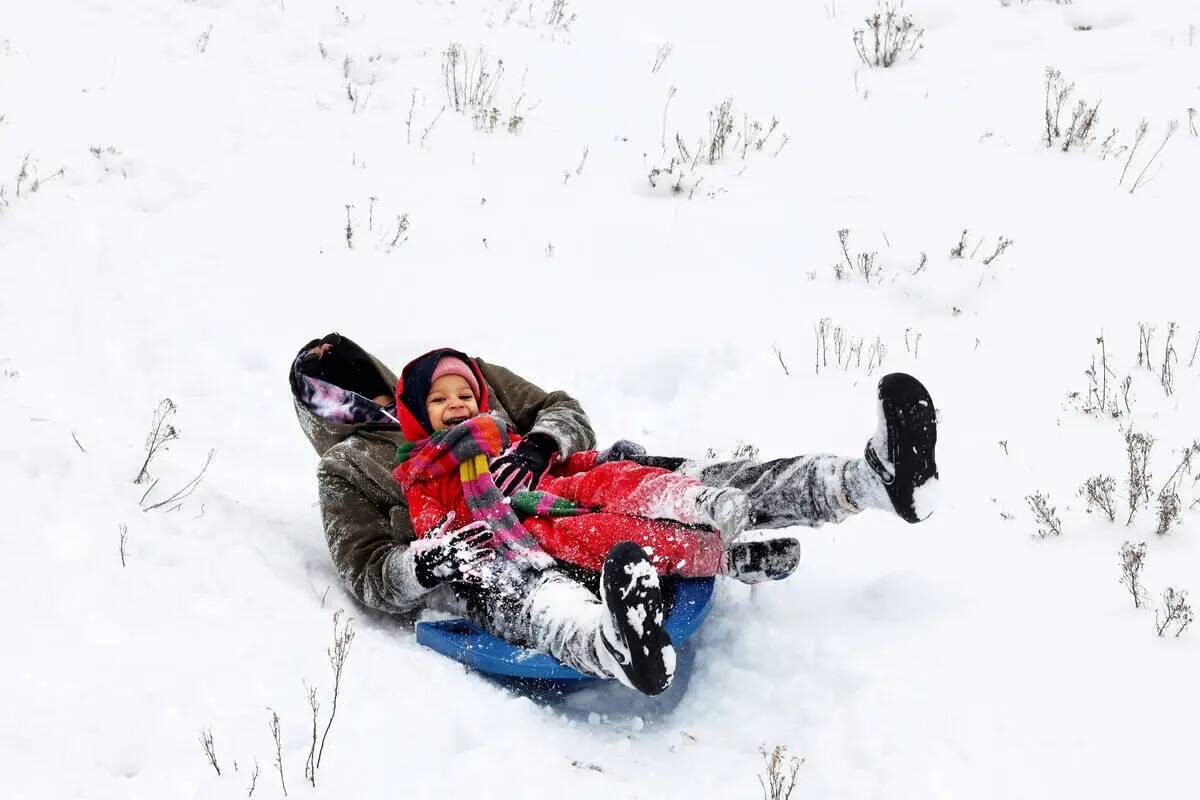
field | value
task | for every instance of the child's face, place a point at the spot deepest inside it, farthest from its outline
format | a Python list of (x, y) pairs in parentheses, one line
[(450, 402)]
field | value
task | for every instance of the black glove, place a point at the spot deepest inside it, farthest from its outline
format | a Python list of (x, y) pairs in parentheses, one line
[(524, 465), (452, 556), (620, 450)]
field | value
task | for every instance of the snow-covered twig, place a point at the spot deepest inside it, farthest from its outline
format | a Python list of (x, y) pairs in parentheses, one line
[(402, 225), (429, 128), (409, 120), (893, 33), (342, 638), (779, 355), (1166, 377), (661, 55), (1175, 611), (720, 125), (1170, 507), (1057, 91), (469, 84), (310, 766), (1045, 515), (822, 332), (210, 753), (1001, 246), (202, 42), (957, 250), (671, 91), (1141, 179), (162, 433), (1137, 451), (186, 490), (1100, 493), (1138, 137), (1133, 559), (278, 749), (1145, 334), (779, 773)]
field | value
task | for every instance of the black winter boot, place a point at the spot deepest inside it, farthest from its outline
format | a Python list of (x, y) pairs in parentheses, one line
[(633, 643), (901, 451), (754, 559)]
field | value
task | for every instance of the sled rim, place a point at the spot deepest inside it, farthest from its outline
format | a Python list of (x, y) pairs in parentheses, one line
[(468, 644)]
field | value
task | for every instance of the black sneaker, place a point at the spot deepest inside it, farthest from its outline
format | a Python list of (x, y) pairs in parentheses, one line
[(901, 451), (754, 559), (634, 644)]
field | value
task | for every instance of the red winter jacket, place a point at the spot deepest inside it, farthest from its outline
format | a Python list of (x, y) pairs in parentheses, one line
[(622, 492)]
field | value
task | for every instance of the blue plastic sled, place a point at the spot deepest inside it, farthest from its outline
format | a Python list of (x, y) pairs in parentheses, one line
[(479, 650)]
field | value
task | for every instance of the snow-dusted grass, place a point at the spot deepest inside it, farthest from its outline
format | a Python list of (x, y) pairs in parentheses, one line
[(197, 236)]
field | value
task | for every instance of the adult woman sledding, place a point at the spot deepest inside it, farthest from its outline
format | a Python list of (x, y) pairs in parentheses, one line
[(343, 396)]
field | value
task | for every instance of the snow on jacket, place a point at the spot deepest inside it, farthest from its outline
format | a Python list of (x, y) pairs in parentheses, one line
[(621, 494), (365, 515)]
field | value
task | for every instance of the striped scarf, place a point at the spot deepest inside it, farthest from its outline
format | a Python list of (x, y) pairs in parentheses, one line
[(467, 448)]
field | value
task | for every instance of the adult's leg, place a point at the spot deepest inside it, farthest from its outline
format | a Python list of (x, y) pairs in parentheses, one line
[(898, 472), (544, 611), (619, 636), (807, 490)]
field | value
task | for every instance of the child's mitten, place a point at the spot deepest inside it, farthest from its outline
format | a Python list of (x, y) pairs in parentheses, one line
[(452, 555)]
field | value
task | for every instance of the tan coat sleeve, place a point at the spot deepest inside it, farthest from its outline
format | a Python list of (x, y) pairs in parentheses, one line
[(369, 536), (533, 410)]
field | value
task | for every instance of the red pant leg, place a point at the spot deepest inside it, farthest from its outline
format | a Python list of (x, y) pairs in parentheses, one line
[(623, 487), (585, 540)]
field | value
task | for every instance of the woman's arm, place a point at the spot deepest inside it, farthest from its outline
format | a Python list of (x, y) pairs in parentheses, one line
[(555, 414), (373, 562)]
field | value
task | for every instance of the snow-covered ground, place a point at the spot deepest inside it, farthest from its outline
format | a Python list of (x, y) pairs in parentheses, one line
[(197, 237)]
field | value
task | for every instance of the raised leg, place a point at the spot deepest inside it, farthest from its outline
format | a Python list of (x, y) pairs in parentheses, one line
[(801, 490), (898, 473)]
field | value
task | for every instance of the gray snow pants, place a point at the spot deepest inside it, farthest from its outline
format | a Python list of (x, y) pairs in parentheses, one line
[(547, 611), (556, 614), (799, 490)]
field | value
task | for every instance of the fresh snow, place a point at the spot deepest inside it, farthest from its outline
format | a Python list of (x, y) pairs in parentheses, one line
[(927, 497), (197, 238)]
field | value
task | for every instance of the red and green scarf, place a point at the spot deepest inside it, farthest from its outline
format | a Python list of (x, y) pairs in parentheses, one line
[(467, 447)]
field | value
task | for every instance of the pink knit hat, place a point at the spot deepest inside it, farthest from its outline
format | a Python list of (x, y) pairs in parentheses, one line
[(450, 365)]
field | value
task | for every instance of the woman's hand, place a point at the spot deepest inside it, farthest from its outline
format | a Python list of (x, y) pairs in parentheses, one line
[(620, 450)]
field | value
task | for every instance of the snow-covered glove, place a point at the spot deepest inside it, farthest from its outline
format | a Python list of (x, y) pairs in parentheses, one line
[(523, 466), (444, 555), (620, 450)]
